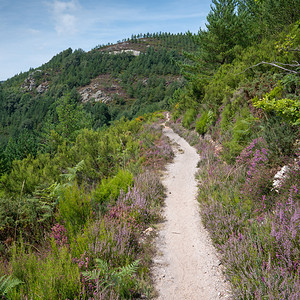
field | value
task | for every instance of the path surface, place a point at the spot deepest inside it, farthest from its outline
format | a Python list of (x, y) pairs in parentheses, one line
[(186, 266)]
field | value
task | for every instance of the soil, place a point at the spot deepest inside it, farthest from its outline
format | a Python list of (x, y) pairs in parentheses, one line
[(186, 265)]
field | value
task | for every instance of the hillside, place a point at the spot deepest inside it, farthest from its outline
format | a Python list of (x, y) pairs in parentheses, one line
[(81, 150), (104, 84)]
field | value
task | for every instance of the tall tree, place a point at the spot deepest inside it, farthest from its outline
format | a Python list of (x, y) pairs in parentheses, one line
[(226, 28)]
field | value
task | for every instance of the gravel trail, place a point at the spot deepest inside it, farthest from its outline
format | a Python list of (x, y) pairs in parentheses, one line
[(186, 266)]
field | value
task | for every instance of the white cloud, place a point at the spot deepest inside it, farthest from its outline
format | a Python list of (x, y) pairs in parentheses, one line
[(64, 16)]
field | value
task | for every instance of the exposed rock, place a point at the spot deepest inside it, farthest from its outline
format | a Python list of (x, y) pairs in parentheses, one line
[(30, 83), (43, 87), (133, 52), (148, 231), (99, 96), (279, 177)]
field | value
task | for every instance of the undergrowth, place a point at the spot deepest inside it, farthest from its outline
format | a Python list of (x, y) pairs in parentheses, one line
[(77, 233), (254, 226)]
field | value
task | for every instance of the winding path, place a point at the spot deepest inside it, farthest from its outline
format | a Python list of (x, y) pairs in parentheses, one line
[(186, 266)]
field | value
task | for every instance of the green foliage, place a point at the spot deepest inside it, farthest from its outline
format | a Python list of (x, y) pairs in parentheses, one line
[(70, 177), (29, 173), (280, 137), (71, 118), (288, 109), (227, 28), (74, 207), (120, 278), (241, 133), (189, 117), (53, 277), (204, 122), (7, 283), (32, 216), (226, 118), (109, 189)]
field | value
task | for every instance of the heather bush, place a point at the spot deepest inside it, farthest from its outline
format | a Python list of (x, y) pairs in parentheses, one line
[(280, 137), (59, 215), (255, 228), (254, 158), (156, 154)]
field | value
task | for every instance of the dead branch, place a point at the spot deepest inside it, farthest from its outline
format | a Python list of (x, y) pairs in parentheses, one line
[(274, 64)]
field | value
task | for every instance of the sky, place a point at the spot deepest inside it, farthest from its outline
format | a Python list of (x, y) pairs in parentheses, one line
[(33, 31)]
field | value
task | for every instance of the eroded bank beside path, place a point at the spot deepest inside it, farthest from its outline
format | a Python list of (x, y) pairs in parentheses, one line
[(186, 265)]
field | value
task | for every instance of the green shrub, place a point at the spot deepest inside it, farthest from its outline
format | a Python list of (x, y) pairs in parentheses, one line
[(109, 189), (226, 118), (54, 276), (189, 117), (31, 216), (73, 208), (280, 137), (204, 122), (241, 133), (30, 172), (287, 109)]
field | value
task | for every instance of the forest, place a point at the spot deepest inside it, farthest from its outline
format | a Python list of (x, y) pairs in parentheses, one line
[(79, 181)]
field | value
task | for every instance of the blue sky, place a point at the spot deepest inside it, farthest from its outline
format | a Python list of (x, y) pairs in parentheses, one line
[(33, 31)]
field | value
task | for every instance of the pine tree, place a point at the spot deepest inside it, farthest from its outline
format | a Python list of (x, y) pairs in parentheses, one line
[(226, 28)]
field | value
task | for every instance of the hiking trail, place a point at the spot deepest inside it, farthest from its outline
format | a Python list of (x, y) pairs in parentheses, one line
[(186, 266)]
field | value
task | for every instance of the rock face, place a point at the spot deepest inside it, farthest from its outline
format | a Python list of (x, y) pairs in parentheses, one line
[(30, 83), (133, 52), (98, 95), (43, 87)]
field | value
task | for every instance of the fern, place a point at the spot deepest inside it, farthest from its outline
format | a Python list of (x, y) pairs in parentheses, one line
[(127, 271), (70, 177), (7, 283), (119, 278)]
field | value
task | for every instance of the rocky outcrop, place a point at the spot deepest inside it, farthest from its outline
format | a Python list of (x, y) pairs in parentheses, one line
[(31, 85), (88, 94), (43, 87), (133, 52)]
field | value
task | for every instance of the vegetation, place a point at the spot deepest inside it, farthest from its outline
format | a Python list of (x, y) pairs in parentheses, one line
[(62, 214), (243, 86), (77, 180)]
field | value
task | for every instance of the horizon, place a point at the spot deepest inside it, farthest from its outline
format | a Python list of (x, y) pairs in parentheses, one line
[(33, 31)]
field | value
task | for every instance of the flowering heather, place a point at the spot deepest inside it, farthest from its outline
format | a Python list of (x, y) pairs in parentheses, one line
[(158, 154), (258, 179), (259, 242), (59, 233)]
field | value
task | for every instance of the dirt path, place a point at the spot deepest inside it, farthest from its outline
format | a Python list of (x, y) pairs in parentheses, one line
[(186, 266)]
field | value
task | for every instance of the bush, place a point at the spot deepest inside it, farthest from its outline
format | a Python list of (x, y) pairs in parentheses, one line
[(54, 276), (204, 122), (241, 133), (74, 207), (109, 189), (280, 137), (189, 117)]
